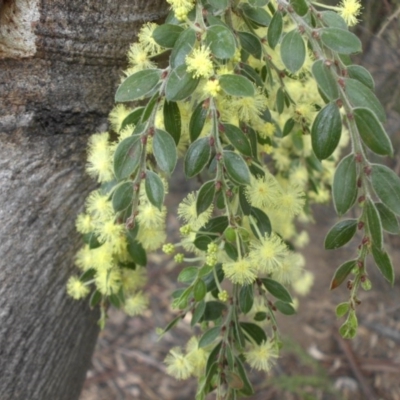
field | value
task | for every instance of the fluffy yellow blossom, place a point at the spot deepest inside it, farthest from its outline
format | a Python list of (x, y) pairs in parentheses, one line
[(250, 107), (263, 192), (102, 257), (187, 211), (181, 8), (212, 88), (99, 158), (117, 116), (84, 223), (151, 238), (108, 281), (84, 258), (197, 356), (268, 253), (135, 305), (133, 279), (292, 200), (76, 289), (99, 206), (261, 357), (349, 10), (199, 63), (303, 284), (146, 39), (178, 365), (138, 59), (241, 271), (289, 269)]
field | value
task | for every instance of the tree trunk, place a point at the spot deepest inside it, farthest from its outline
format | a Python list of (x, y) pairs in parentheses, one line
[(60, 63)]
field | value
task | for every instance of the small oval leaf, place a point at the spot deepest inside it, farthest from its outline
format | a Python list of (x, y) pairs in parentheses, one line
[(275, 30), (374, 224), (387, 187), (209, 336), (372, 132), (122, 197), (164, 150), (172, 120), (138, 85), (325, 80), (344, 189), (205, 197), (326, 131), (154, 189), (389, 221), (197, 121), (340, 234), (340, 40), (293, 51), (180, 84), (166, 35), (127, 156), (236, 85), (362, 75), (277, 290), (342, 273), (251, 44), (246, 298), (221, 41), (384, 263), (197, 157), (236, 168), (238, 139), (183, 46)]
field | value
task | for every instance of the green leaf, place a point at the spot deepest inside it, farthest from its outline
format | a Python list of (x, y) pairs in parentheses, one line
[(252, 74), (137, 252), (236, 85), (387, 187), (122, 197), (374, 224), (138, 85), (260, 316), (199, 290), (198, 313), (214, 310), (340, 234), (183, 46), (166, 35), (384, 263), (284, 308), (326, 131), (172, 120), (236, 168), (197, 157), (154, 189), (164, 150), (215, 225), (344, 189), (275, 30), (262, 221), (372, 132), (188, 275), (231, 251), (254, 331), (362, 75), (250, 43), (205, 197), (389, 221), (289, 125), (326, 82), (277, 290), (280, 100), (341, 273), (293, 51), (246, 298), (95, 299), (299, 6), (197, 121), (333, 20), (342, 309), (219, 4), (148, 111), (247, 389), (340, 40), (221, 41), (209, 336), (256, 14), (361, 96), (171, 324), (132, 118), (180, 84), (88, 275), (127, 156), (238, 139)]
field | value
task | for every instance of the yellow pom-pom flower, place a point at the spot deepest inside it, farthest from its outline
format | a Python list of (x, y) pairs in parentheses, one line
[(263, 192), (241, 271), (261, 357), (77, 289), (199, 63), (146, 39), (268, 253), (135, 305), (178, 365), (349, 10), (187, 211)]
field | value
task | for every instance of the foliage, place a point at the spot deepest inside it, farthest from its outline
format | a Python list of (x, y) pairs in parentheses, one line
[(260, 98)]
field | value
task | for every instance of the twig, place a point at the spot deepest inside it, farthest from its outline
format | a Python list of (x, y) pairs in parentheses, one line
[(388, 22), (348, 352)]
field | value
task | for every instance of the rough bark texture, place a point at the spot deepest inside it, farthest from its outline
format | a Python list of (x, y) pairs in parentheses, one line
[(56, 87)]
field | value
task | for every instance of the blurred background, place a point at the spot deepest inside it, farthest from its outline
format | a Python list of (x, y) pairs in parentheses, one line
[(315, 363)]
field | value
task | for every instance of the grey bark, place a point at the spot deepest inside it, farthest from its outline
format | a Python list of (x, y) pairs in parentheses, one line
[(58, 75)]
